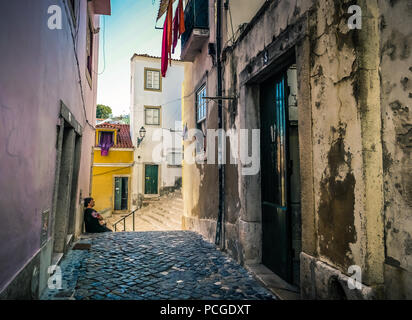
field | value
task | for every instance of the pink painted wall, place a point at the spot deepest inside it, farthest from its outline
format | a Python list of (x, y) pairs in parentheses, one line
[(37, 69)]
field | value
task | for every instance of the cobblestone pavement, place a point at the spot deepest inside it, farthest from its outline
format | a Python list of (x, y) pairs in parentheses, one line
[(172, 265)]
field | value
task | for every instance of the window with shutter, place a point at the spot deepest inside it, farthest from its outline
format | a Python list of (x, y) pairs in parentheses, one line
[(152, 116), (152, 80)]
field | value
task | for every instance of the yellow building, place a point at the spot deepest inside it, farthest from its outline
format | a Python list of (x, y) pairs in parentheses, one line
[(112, 168)]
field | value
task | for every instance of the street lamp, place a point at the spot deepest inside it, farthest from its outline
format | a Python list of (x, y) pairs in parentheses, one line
[(142, 134)]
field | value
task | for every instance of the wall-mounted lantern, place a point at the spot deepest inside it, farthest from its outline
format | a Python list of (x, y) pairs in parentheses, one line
[(142, 134)]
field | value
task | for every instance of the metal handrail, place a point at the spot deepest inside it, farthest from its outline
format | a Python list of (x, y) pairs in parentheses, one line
[(124, 221)]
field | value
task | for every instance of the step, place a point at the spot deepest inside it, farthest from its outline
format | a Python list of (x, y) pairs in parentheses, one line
[(167, 204), (139, 224), (170, 210), (164, 218), (151, 223), (155, 222), (167, 216), (167, 223)]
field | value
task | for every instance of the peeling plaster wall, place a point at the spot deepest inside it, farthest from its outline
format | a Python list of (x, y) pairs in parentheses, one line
[(243, 227), (242, 193), (200, 179), (396, 102), (342, 178), (337, 143)]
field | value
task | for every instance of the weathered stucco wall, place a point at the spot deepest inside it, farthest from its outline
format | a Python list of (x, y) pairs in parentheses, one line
[(396, 98), (200, 179), (38, 69), (346, 141), (348, 105), (243, 229), (337, 143)]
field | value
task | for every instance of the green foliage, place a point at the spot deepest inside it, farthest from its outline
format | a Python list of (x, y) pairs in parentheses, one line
[(103, 112)]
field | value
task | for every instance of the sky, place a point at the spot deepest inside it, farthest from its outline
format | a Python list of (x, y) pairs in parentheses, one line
[(130, 29)]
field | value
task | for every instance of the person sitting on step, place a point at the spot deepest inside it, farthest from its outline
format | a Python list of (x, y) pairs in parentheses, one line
[(92, 219)]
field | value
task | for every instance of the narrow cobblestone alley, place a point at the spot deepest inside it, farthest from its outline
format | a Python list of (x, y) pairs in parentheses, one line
[(170, 265)]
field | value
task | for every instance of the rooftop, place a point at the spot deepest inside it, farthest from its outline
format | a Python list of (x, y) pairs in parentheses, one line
[(123, 134), (151, 57)]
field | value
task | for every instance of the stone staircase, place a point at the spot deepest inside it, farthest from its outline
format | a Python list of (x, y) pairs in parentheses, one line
[(157, 214)]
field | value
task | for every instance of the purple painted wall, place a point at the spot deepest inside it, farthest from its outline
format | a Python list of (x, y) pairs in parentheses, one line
[(38, 68)]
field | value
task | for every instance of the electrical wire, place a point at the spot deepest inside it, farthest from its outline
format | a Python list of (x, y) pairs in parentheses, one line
[(110, 171), (77, 21), (78, 67)]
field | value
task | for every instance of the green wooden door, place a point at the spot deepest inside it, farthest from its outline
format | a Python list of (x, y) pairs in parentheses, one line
[(151, 178), (276, 241)]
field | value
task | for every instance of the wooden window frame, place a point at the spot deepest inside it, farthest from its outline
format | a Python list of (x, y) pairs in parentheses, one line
[(201, 155), (98, 134), (89, 34), (174, 152), (145, 79), (201, 88), (159, 108)]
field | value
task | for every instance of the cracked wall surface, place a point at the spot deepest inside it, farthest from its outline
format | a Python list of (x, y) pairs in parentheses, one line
[(396, 103), (354, 95), (337, 142)]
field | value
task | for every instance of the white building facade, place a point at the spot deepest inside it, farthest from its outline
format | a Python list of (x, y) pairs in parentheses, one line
[(156, 109)]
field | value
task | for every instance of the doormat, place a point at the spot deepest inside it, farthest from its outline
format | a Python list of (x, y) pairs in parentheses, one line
[(81, 246)]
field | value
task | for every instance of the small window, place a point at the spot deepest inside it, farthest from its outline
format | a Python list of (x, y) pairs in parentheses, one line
[(89, 47), (201, 114), (201, 104), (152, 79), (174, 159), (152, 116), (105, 135), (106, 141)]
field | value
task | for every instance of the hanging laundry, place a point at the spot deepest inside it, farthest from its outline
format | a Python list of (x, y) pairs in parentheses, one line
[(106, 142), (167, 39), (178, 24)]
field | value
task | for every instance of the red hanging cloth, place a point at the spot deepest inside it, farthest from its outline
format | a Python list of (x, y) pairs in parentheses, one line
[(164, 50), (167, 39), (178, 24), (181, 18)]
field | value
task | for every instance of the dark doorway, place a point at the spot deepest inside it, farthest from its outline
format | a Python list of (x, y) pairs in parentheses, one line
[(68, 162), (281, 238), (151, 179), (75, 182), (121, 193)]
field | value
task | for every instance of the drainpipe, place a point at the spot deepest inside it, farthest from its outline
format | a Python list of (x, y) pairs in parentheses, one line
[(220, 219)]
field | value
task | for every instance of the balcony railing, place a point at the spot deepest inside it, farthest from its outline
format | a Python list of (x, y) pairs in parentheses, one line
[(196, 17)]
